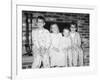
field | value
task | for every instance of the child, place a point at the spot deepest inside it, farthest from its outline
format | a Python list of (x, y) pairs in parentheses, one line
[(76, 43), (56, 57), (41, 44), (66, 47)]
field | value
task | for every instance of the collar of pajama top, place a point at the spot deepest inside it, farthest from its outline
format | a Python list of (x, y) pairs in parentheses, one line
[(75, 37), (55, 39)]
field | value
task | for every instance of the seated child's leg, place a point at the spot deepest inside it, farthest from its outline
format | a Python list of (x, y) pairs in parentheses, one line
[(75, 57), (69, 58), (46, 63), (36, 62), (66, 61), (36, 58)]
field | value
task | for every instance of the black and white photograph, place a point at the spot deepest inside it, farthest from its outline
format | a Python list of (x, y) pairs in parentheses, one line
[(55, 39), (51, 40)]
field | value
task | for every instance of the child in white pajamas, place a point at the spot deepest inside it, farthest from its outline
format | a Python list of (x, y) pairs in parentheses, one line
[(66, 47), (57, 58), (41, 44), (76, 43)]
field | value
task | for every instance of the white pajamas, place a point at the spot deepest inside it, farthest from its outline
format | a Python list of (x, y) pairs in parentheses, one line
[(67, 50), (77, 50), (57, 57), (41, 44)]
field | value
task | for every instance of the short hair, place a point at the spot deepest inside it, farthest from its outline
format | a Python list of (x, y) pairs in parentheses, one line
[(74, 23), (41, 17)]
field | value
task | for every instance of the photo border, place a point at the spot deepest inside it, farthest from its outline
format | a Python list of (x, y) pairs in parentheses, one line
[(14, 68)]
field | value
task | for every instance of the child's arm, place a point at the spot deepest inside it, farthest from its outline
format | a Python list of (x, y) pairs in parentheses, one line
[(79, 39), (34, 39), (48, 40)]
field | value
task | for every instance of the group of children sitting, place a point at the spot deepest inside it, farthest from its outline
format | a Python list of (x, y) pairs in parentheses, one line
[(55, 49)]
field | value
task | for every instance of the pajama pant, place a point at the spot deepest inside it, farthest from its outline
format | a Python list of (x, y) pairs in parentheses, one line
[(77, 55), (80, 57), (38, 58), (57, 58), (69, 57)]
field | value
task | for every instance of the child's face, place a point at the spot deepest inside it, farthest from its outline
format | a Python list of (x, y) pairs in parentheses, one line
[(54, 28), (40, 23), (66, 32), (73, 28)]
